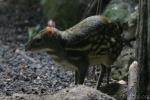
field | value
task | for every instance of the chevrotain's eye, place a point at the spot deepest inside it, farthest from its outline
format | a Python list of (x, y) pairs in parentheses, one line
[(38, 40)]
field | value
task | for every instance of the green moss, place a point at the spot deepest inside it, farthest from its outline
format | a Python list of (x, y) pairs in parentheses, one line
[(117, 12)]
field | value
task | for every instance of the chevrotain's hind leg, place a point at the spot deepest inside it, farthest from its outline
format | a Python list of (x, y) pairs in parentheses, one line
[(108, 74), (101, 76)]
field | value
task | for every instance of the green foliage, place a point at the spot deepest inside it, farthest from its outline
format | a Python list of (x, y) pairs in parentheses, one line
[(118, 12), (33, 31), (65, 13)]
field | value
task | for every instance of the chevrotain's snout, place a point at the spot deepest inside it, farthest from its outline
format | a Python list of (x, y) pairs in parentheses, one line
[(27, 47)]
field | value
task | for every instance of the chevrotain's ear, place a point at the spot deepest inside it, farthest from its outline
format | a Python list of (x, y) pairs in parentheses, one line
[(49, 30), (51, 23)]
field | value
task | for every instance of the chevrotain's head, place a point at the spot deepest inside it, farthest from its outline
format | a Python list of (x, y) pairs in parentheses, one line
[(46, 40)]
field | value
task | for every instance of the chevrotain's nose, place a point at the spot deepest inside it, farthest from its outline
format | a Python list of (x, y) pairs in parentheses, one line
[(26, 47)]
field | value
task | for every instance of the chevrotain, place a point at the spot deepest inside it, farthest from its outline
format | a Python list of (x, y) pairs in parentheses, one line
[(94, 40)]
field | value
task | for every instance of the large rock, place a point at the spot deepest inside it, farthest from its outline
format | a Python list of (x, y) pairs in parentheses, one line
[(121, 66), (81, 93)]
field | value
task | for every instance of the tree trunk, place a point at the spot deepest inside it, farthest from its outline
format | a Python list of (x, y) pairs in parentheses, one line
[(148, 49), (143, 50)]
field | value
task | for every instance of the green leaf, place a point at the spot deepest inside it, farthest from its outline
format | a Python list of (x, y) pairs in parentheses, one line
[(33, 31)]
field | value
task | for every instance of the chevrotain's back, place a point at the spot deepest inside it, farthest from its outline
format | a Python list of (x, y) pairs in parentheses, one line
[(95, 38)]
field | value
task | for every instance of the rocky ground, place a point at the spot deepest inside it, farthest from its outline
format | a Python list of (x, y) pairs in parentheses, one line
[(25, 72)]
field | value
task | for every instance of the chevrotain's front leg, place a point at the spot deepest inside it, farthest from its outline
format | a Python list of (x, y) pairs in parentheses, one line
[(101, 76)]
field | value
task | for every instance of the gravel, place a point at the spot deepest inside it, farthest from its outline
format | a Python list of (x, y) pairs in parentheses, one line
[(20, 71)]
